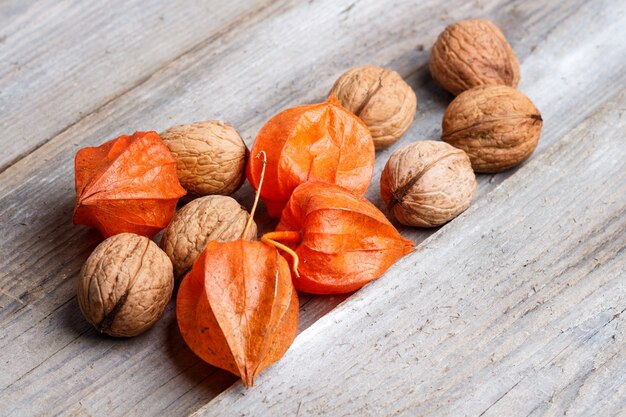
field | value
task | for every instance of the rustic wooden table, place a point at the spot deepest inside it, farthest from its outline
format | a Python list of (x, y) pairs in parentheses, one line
[(515, 308)]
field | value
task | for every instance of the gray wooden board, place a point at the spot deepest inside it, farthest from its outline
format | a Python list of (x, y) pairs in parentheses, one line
[(285, 54), (518, 308), (60, 61)]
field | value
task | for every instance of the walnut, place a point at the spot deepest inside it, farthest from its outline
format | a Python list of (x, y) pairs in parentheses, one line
[(497, 126), (125, 285), (427, 183), (214, 217), (381, 98), (210, 156), (470, 53)]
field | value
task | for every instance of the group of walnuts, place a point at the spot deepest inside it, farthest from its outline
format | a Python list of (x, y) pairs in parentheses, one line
[(488, 127)]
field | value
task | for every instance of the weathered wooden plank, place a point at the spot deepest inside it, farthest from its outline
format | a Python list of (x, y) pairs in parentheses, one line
[(243, 77), (519, 308), (60, 61)]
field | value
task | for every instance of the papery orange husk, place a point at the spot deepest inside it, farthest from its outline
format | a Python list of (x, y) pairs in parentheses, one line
[(344, 242), (127, 185), (237, 308), (317, 142)]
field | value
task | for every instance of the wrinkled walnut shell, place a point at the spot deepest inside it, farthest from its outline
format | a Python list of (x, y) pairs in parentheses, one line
[(214, 217), (125, 285), (210, 157), (470, 53), (497, 126), (427, 183), (380, 98)]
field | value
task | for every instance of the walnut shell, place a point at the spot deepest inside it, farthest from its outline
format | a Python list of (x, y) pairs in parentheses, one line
[(497, 126), (380, 98), (427, 183), (210, 157), (470, 53), (125, 285), (214, 217)]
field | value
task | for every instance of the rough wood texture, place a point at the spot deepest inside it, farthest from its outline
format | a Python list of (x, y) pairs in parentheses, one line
[(61, 61), (518, 308), (271, 57)]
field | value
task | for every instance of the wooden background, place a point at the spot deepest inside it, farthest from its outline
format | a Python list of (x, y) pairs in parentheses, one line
[(517, 307)]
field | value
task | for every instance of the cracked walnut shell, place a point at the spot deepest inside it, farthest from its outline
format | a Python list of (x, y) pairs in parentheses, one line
[(497, 126), (380, 98), (427, 183), (125, 285), (214, 217), (470, 53), (210, 157)]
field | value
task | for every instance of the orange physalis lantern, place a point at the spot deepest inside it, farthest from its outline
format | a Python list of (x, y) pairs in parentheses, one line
[(128, 184), (342, 241), (237, 308), (316, 142)]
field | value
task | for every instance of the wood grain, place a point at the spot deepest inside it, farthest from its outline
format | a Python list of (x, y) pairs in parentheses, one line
[(243, 75), (62, 60), (509, 311)]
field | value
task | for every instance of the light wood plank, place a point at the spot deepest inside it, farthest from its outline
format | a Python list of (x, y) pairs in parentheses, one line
[(517, 309), (243, 77), (62, 60)]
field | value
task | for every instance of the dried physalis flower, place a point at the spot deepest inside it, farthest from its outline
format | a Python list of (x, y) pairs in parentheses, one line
[(470, 53), (237, 308), (317, 142), (497, 126), (427, 183), (211, 157), (125, 285), (214, 217), (342, 241), (379, 97), (128, 184)]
